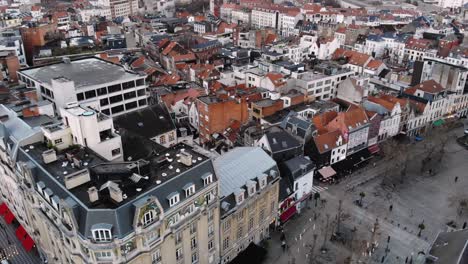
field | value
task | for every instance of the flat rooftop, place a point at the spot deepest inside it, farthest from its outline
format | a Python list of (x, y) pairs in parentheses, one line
[(84, 72), (133, 178)]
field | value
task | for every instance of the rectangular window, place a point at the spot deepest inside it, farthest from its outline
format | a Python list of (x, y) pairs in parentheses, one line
[(114, 88), (103, 255), (101, 91), (128, 85), (104, 101), (140, 82), (251, 223), (193, 228), (227, 224), (193, 243), (210, 215), (116, 99), (58, 141), (178, 238), (117, 109), (131, 105), (194, 257), (210, 230), (141, 92), (90, 94), (80, 97), (239, 232), (129, 95), (142, 102), (179, 255), (156, 256), (174, 200), (190, 190), (210, 245), (226, 243), (116, 152)]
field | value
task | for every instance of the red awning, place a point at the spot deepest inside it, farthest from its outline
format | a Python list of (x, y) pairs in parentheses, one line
[(21, 233), (9, 217), (374, 149), (288, 213), (3, 208), (28, 243)]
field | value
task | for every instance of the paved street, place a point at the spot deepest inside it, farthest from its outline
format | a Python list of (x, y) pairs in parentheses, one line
[(419, 199), (11, 248)]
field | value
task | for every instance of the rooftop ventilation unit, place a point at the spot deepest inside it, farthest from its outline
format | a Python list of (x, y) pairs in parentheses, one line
[(186, 158), (93, 194), (49, 156)]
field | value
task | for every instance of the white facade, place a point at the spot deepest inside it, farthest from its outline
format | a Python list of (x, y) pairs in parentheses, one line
[(265, 18), (357, 138), (88, 13), (115, 97), (390, 124), (241, 17), (11, 41), (339, 152), (288, 23), (326, 49)]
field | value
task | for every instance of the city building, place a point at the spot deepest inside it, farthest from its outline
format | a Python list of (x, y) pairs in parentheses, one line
[(80, 208), (249, 186), (123, 8), (88, 81)]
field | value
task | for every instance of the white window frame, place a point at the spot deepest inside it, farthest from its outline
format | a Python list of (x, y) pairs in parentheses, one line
[(240, 198), (102, 235), (103, 255), (190, 190), (179, 254), (149, 217), (174, 200), (156, 256), (208, 180)]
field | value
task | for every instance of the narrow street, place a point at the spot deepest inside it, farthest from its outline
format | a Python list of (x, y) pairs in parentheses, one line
[(11, 248)]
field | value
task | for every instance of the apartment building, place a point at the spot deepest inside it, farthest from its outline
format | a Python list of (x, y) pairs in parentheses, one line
[(84, 126), (217, 112), (88, 81), (11, 40), (249, 187), (123, 8), (79, 207), (262, 17), (319, 85)]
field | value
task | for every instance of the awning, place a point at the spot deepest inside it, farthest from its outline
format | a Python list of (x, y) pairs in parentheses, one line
[(438, 122), (374, 148), (327, 172), (28, 243), (3, 208), (288, 213), (9, 217), (21, 233)]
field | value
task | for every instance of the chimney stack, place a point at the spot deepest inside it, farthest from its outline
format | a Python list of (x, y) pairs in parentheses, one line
[(185, 158), (93, 194)]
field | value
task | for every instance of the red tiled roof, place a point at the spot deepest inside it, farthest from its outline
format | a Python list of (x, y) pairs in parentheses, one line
[(353, 57), (341, 30), (429, 86), (418, 44), (326, 142), (276, 78), (374, 64)]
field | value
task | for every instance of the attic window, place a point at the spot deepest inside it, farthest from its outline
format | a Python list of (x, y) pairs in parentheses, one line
[(102, 232), (240, 197), (189, 189), (207, 179), (173, 199)]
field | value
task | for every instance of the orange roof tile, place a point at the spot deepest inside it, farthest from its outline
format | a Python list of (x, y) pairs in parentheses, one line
[(429, 86), (326, 142)]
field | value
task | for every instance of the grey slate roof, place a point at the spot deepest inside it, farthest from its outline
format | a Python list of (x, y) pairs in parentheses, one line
[(122, 217), (84, 72), (281, 140), (240, 165)]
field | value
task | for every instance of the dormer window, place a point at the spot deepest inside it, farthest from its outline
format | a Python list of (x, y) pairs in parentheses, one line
[(173, 198), (240, 196), (40, 187), (189, 189), (251, 190), (102, 232), (207, 179), (262, 180), (149, 217)]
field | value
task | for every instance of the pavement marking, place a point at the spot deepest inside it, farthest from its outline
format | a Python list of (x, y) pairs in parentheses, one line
[(318, 189)]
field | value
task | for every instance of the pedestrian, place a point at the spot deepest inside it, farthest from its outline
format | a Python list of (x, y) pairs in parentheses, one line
[(391, 207), (283, 236), (456, 178), (464, 225), (374, 164), (283, 245)]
